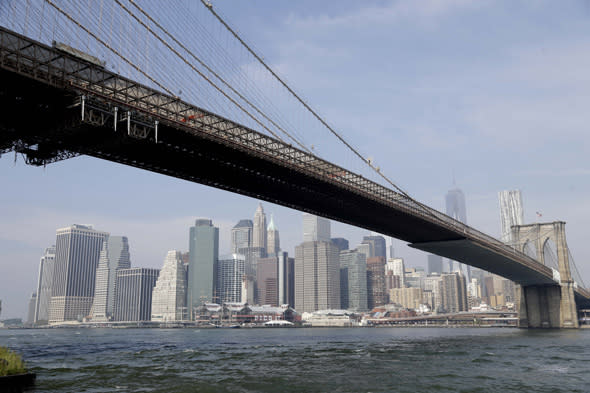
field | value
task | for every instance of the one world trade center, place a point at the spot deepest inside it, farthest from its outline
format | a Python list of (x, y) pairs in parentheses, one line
[(455, 202)]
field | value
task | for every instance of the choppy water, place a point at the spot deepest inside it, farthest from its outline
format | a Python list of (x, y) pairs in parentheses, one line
[(305, 360)]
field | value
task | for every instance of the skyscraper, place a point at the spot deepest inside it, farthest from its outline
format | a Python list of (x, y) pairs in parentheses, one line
[(77, 251), (202, 269), (391, 249), (353, 280), (46, 266), (133, 293), (253, 255), (169, 294), (396, 265), (392, 280), (267, 281), (453, 292), (376, 294), (364, 249), (273, 243), (341, 243), (315, 229), (432, 284), (317, 276), (275, 280), (434, 264), (286, 279), (455, 204), (31, 309), (241, 235), (376, 244), (511, 212), (114, 255), (230, 272), (259, 231)]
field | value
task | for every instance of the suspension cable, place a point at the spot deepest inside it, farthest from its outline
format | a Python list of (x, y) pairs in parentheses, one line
[(314, 113)]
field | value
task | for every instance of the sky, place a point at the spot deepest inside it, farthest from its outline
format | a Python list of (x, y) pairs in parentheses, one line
[(493, 94)]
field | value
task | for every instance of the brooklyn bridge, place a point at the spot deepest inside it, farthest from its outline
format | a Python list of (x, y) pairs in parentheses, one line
[(59, 102)]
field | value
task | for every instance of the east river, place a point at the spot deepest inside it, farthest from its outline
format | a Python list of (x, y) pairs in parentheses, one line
[(305, 360)]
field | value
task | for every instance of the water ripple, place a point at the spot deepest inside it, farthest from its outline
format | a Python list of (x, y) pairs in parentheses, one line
[(304, 360)]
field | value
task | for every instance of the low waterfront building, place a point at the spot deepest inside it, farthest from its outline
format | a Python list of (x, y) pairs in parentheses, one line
[(329, 318), (237, 313)]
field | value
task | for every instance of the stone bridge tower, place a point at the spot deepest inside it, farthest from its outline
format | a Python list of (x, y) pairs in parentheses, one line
[(546, 306)]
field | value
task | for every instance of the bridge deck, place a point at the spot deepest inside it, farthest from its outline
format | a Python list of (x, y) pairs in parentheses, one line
[(47, 121)]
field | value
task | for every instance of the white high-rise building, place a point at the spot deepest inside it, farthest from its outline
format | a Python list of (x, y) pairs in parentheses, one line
[(113, 256), (364, 249), (396, 265), (46, 266), (317, 276), (169, 294), (230, 273), (315, 229), (432, 284), (259, 231), (511, 212), (474, 289), (273, 242), (77, 251)]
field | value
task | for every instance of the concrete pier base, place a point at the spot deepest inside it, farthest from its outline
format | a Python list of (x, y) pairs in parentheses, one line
[(547, 307)]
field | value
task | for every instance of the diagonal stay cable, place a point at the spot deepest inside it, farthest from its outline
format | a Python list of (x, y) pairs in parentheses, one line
[(105, 44), (176, 41), (233, 101)]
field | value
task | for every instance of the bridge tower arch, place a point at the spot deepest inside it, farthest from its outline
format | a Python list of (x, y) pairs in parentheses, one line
[(547, 306)]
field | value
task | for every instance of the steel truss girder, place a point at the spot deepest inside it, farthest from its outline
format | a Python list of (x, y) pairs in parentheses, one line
[(34, 60)]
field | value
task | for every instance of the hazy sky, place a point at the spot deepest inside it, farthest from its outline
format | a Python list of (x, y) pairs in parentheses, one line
[(495, 92)]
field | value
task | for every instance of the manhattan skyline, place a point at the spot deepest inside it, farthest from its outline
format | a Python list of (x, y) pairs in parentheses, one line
[(446, 124)]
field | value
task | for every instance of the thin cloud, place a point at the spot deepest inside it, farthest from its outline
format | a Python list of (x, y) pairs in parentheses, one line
[(562, 172), (417, 12)]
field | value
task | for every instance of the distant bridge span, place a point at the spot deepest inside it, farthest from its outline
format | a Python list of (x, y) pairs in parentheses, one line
[(56, 105)]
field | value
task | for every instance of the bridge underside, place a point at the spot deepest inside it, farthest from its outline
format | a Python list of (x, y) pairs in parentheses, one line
[(474, 254), (41, 122), (37, 115)]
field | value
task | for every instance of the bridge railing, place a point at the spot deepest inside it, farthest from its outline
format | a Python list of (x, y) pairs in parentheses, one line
[(57, 68)]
